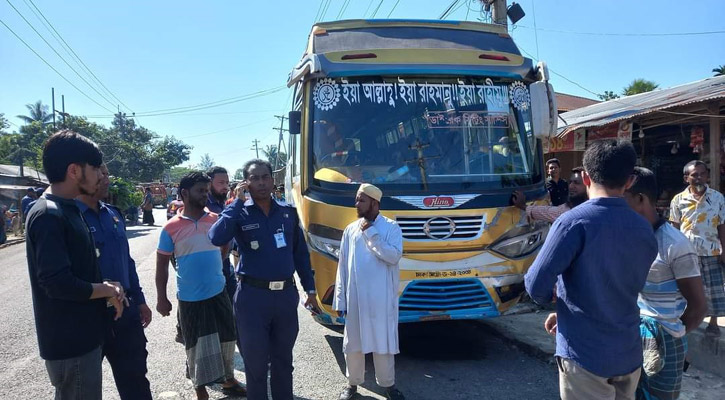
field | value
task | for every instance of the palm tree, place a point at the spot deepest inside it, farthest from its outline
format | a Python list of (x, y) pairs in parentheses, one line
[(639, 86), (37, 112), (719, 70)]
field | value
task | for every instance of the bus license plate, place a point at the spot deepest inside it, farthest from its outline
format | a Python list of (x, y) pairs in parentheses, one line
[(443, 274)]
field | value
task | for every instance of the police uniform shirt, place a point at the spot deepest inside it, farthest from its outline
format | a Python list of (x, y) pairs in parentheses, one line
[(114, 257), (265, 256)]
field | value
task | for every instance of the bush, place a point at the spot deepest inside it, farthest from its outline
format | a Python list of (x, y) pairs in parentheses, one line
[(123, 194)]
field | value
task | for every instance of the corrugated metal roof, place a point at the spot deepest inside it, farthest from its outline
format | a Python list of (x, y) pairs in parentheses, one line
[(14, 170), (568, 102), (640, 104)]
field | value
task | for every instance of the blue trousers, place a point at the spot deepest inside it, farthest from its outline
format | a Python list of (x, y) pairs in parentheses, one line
[(267, 327), (78, 377), (125, 349)]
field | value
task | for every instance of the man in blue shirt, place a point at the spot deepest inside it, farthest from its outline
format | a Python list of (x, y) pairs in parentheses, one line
[(125, 344), (27, 200), (215, 203), (598, 255), (273, 247)]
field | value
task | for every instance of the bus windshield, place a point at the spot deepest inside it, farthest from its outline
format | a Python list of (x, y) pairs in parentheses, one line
[(422, 134)]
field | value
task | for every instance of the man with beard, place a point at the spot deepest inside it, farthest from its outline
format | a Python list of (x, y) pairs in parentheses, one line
[(216, 203), (366, 291), (125, 344), (272, 247), (69, 296), (577, 195), (207, 322), (699, 213)]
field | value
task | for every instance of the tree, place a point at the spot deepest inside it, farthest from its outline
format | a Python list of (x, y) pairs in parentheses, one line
[(4, 124), (639, 86), (37, 112), (608, 95), (177, 173), (719, 70), (206, 162), (239, 174), (270, 152)]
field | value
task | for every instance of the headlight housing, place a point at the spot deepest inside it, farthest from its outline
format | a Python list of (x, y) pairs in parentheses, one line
[(521, 241), (326, 246)]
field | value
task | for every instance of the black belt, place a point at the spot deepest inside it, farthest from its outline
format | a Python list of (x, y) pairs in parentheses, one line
[(263, 284)]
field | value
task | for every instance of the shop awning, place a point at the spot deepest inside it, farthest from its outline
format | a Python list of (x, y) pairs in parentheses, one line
[(662, 101)]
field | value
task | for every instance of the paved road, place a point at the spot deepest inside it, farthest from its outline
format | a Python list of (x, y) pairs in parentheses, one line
[(447, 360)]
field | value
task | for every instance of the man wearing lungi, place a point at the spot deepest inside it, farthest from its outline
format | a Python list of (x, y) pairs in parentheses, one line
[(205, 311), (699, 212), (672, 301)]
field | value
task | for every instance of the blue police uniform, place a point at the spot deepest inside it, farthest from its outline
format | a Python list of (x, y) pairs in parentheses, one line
[(125, 344), (231, 282), (265, 306)]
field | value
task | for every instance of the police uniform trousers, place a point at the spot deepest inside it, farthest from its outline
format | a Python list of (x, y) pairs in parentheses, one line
[(267, 327), (125, 349)]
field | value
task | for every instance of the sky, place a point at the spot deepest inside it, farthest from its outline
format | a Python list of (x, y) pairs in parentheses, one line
[(162, 55)]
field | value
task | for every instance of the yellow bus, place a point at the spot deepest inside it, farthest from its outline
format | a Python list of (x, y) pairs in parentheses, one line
[(446, 118)]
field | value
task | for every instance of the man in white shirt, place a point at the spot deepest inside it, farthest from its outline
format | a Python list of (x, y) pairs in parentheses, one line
[(366, 292)]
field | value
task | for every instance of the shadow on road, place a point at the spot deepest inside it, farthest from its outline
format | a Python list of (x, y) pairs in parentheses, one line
[(139, 231)]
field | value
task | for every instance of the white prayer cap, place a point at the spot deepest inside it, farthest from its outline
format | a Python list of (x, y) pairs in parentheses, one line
[(371, 191)]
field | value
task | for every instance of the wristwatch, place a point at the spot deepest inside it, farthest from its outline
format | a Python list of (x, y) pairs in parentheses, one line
[(311, 291)]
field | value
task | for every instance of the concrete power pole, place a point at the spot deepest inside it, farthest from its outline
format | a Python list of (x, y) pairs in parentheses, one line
[(499, 12), (255, 146), (279, 143)]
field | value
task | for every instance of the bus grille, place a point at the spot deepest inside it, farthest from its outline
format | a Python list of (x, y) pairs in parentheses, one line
[(440, 228), (445, 295)]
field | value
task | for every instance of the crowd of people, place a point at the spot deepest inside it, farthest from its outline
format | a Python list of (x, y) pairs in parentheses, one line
[(627, 284)]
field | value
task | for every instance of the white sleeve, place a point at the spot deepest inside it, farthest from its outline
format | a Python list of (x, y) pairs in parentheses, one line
[(340, 301), (388, 249)]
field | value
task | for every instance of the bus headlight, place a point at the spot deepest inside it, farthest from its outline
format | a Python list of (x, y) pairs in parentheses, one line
[(329, 247), (521, 240)]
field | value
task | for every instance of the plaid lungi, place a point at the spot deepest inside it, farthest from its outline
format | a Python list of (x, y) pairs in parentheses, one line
[(666, 383), (712, 276), (209, 335)]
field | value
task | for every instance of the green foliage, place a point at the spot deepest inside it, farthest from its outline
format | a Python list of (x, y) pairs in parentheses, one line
[(719, 70), (177, 173), (37, 112), (270, 152), (124, 194), (639, 86), (206, 162), (239, 174), (608, 95), (4, 124)]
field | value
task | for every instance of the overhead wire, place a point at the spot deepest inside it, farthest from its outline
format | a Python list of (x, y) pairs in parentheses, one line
[(368, 8), (324, 11), (58, 54), (343, 8), (53, 68), (67, 47), (319, 8), (643, 34), (394, 6), (375, 12), (448, 10)]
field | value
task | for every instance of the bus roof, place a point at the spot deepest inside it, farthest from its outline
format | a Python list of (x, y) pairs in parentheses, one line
[(401, 47)]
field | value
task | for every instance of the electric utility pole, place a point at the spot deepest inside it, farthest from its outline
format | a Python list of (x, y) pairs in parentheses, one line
[(255, 146), (279, 143)]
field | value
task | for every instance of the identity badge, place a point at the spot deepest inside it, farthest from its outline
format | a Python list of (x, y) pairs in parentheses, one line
[(254, 244), (279, 238)]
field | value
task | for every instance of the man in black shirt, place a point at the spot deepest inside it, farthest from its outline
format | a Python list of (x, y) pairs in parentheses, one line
[(70, 299), (558, 188)]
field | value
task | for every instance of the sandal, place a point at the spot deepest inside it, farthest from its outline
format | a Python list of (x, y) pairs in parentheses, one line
[(236, 390)]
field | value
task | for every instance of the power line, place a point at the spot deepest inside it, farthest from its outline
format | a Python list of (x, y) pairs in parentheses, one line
[(58, 54), (225, 129), (51, 67), (343, 8), (651, 34), (448, 10), (368, 8), (377, 8), (194, 114), (324, 11), (67, 47), (394, 6), (317, 14)]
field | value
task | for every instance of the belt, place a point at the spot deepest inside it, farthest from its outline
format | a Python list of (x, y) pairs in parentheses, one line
[(263, 284)]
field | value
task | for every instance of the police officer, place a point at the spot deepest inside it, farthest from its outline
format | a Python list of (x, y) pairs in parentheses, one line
[(272, 247), (125, 343)]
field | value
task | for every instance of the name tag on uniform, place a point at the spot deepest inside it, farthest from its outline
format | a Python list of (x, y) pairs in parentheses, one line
[(279, 238), (250, 227)]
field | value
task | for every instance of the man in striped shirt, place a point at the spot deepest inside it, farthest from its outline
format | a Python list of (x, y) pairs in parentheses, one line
[(672, 301), (577, 195)]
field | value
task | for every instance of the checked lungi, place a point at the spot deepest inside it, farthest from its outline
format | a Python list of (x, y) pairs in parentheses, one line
[(664, 359), (712, 276), (209, 335)]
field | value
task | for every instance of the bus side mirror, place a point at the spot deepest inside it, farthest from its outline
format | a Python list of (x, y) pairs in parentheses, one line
[(295, 122), (544, 115)]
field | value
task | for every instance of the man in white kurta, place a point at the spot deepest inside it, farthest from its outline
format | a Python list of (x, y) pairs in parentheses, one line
[(366, 291)]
